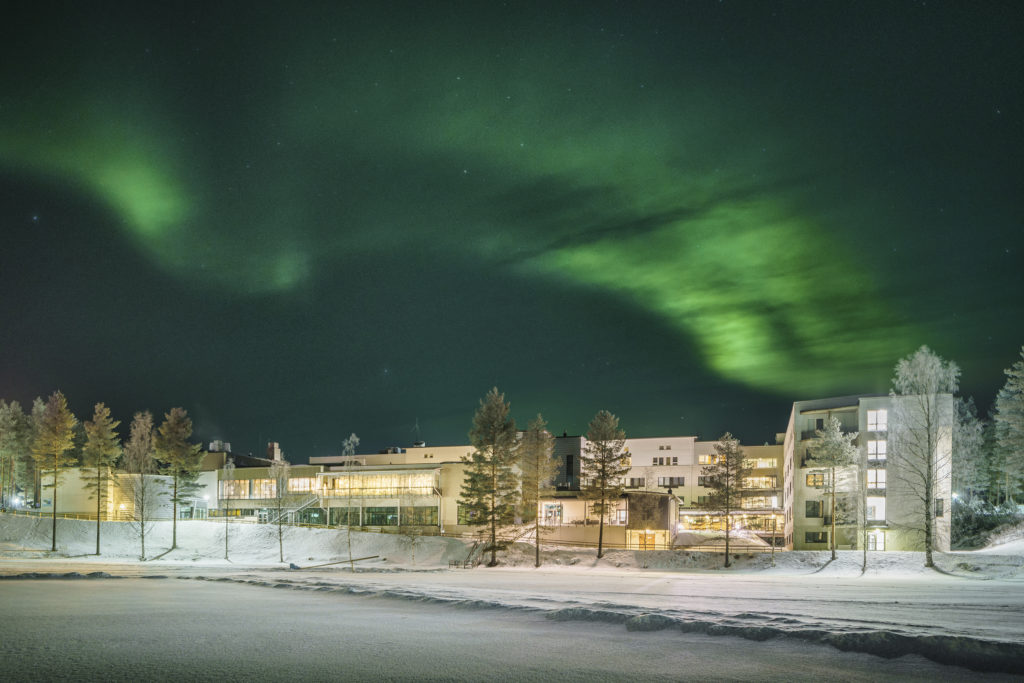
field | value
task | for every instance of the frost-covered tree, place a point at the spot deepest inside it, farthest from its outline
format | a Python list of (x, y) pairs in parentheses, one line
[(970, 466), (101, 450), (490, 486), (919, 461), (1009, 420), (348, 449), (538, 469), (834, 450), (604, 463), (15, 449), (724, 478), (140, 484), (179, 459), (54, 438), (280, 471), (228, 475)]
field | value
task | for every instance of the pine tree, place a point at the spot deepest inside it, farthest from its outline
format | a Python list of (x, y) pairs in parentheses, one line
[(603, 465), (834, 450), (490, 486), (179, 459), (15, 447), (724, 479), (102, 449), (538, 469), (54, 437), (970, 464), (140, 484), (922, 417), (1010, 427)]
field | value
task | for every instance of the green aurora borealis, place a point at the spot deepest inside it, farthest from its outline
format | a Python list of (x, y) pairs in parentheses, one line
[(300, 224)]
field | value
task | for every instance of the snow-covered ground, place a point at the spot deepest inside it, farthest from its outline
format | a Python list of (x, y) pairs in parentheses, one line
[(783, 618)]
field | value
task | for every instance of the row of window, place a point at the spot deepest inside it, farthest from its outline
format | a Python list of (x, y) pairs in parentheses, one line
[(875, 479), (876, 540), (385, 516), (664, 482)]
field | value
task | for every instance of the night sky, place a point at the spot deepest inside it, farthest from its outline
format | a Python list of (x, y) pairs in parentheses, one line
[(307, 221)]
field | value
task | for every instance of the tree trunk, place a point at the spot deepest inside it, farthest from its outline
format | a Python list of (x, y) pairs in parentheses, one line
[(536, 562), (53, 533), (97, 511), (600, 528), (174, 514), (833, 539), (727, 529)]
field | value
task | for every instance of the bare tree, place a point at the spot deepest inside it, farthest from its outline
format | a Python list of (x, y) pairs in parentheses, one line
[(348, 448), (229, 475), (140, 483), (279, 473), (921, 436)]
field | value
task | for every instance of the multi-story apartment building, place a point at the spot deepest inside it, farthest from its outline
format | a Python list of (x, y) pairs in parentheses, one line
[(879, 498)]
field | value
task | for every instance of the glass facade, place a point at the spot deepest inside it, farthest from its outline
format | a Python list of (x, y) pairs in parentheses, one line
[(380, 485)]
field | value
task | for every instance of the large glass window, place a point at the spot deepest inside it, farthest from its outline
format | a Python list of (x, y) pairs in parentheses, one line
[(759, 502), (346, 516), (264, 488), (380, 485), (234, 488), (552, 514), (301, 484), (816, 537), (671, 481), (635, 483), (812, 508), (816, 479), (876, 508), (876, 479), (380, 516), (761, 463), (769, 482), (877, 449), (878, 420), (876, 540), (420, 515)]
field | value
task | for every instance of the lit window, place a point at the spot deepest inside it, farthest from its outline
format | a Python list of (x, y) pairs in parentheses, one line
[(876, 540), (705, 459), (878, 420), (876, 450), (876, 479), (876, 508), (816, 479)]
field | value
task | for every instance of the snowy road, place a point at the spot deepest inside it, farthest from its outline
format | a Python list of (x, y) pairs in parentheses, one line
[(166, 629), (929, 614)]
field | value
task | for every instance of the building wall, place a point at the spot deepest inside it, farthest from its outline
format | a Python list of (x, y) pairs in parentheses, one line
[(903, 513)]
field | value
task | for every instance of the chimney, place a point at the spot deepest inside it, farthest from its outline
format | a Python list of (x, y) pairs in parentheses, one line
[(274, 451)]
